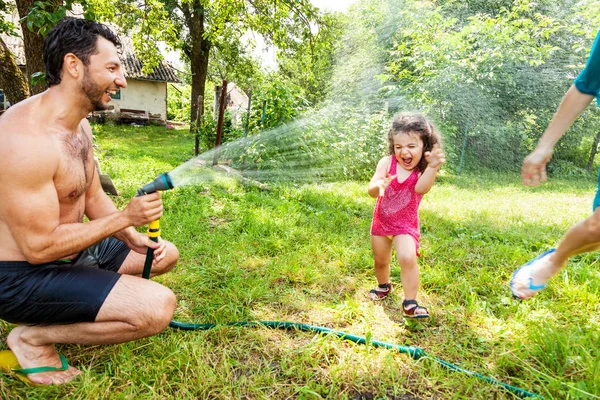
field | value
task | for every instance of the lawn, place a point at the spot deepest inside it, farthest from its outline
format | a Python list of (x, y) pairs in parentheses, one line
[(301, 253)]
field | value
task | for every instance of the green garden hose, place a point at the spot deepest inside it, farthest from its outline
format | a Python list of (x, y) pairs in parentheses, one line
[(415, 352)]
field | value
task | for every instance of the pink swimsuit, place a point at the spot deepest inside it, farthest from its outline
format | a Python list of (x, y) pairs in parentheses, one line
[(397, 212)]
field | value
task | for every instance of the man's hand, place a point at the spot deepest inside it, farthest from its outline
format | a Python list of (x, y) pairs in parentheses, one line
[(144, 209), (533, 170), (435, 157), (382, 184), (140, 243)]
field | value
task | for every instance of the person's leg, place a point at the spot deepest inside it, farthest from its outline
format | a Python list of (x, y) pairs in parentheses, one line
[(583, 237), (134, 262), (134, 308), (382, 255), (406, 253)]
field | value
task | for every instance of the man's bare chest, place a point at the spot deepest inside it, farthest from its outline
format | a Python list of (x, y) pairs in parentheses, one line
[(76, 167)]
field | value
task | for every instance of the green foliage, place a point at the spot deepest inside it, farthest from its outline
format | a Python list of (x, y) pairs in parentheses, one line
[(6, 27), (146, 23), (45, 14), (498, 68), (309, 64), (38, 78), (208, 131), (178, 105), (284, 102)]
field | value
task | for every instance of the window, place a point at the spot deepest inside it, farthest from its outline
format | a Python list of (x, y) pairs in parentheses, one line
[(116, 96), (2, 100)]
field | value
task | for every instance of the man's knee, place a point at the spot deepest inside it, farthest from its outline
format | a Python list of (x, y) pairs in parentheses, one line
[(169, 262), (157, 312), (145, 306)]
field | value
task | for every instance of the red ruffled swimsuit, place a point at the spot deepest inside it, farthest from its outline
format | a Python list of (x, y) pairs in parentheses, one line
[(397, 212)]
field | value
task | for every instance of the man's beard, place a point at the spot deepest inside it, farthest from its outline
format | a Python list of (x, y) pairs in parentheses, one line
[(93, 92)]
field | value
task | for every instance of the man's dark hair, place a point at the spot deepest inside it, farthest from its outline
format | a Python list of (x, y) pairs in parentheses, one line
[(72, 35)]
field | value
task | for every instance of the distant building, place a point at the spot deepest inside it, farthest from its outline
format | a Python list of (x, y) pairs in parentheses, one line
[(236, 102)]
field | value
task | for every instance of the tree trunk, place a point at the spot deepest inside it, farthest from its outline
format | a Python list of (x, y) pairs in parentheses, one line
[(12, 80), (593, 152), (34, 44), (199, 69), (222, 107), (197, 50)]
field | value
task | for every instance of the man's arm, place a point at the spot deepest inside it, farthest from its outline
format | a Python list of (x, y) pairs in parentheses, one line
[(30, 205)]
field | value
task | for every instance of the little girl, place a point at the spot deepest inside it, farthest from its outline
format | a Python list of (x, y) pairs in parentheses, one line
[(399, 183)]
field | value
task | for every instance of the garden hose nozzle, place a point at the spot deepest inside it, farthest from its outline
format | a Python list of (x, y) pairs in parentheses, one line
[(162, 182)]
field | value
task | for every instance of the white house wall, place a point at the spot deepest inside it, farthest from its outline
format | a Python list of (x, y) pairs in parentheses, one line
[(143, 95)]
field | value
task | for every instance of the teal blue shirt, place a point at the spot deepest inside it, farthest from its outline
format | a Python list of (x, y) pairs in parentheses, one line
[(588, 81)]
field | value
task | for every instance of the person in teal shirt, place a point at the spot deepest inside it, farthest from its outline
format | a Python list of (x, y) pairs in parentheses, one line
[(584, 236)]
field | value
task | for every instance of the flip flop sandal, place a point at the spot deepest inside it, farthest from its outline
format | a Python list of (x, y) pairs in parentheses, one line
[(522, 269), (411, 312), (10, 365)]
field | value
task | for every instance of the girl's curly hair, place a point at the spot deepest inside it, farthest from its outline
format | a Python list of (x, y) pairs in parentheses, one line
[(414, 124)]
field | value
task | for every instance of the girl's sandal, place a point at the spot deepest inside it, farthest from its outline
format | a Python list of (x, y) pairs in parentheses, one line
[(412, 311)]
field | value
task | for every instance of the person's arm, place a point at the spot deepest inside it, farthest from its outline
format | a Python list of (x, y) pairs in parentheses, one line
[(575, 101), (31, 210), (435, 158), (381, 179), (534, 166)]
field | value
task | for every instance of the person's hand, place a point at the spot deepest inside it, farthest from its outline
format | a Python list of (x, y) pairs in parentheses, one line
[(533, 170), (140, 243), (382, 184), (144, 209), (435, 157)]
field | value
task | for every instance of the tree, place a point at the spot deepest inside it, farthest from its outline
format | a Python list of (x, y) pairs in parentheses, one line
[(12, 81), (33, 39), (11, 78), (310, 63), (220, 24)]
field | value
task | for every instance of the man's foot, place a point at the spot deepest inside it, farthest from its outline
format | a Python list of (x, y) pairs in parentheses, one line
[(381, 291), (30, 356), (532, 277)]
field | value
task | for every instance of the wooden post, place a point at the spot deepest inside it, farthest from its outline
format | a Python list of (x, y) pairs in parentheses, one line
[(264, 116), (222, 106), (199, 115), (248, 113)]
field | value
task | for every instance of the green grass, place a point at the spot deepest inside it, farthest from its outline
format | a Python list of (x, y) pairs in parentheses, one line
[(302, 254)]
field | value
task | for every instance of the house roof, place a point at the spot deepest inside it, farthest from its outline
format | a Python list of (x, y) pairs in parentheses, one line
[(132, 66)]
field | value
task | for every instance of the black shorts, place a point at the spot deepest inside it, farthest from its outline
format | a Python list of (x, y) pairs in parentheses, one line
[(61, 292)]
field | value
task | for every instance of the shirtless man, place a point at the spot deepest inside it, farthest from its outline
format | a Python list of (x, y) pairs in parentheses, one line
[(62, 280)]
